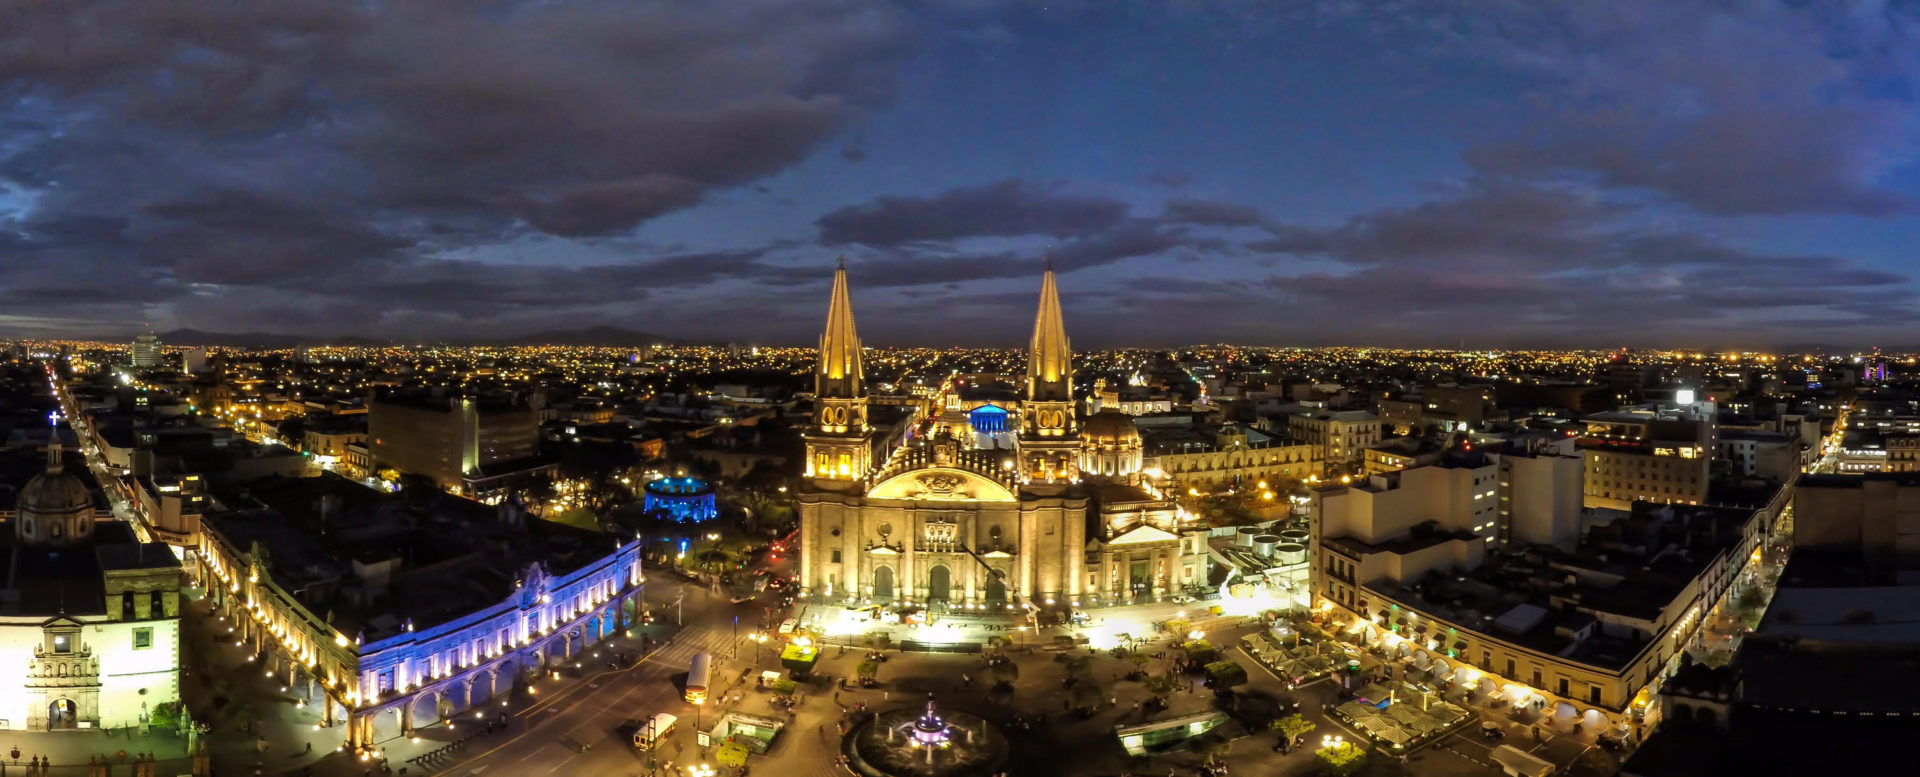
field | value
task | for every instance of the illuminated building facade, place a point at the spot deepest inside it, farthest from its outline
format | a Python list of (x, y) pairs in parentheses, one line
[(90, 627), (455, 628), (955, 519), (1654, 455)]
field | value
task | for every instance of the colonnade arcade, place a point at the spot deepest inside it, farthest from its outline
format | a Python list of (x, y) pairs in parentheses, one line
[(458, 692)]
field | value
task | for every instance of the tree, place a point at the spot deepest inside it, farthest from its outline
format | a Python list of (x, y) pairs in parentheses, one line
[(1343, 759), (1222, 675), (1211, 746), (1162, 686), (1005, 673), (1139, 661), (165, 717), (1077, 665), (732, 754), (1294, 726), (1086, 697), (1200, 651)]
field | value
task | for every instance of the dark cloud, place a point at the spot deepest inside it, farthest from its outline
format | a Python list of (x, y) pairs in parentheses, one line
[(1007, 208), (1214, 213), (1513, 258), (1731, 108), (262, 149)]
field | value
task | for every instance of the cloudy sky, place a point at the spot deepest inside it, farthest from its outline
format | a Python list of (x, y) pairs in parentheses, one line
[(1349, 172)]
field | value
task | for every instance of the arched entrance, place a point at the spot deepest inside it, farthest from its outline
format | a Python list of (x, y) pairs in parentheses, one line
[(62, 715), (883, 584), (939, 584), (996, 591)]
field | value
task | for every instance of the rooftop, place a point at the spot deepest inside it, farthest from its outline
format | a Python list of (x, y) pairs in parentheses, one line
[(71, 581), (369, 561)]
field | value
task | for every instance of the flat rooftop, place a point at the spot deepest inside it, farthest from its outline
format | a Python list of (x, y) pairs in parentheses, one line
[(53, 581), (371, 560)]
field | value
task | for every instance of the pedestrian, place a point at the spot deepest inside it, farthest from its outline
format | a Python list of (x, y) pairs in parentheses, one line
[(309, 748)]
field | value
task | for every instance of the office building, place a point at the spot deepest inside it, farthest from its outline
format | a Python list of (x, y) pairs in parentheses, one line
[(146, 352), (456, 441)]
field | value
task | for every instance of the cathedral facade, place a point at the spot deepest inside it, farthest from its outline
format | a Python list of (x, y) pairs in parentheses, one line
[(89, 614), (956, 521)]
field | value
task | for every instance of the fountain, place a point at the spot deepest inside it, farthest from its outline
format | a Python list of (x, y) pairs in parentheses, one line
[(897, 743)]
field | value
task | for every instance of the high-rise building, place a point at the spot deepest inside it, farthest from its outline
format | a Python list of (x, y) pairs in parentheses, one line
[(196, 360), (146, 351), (452, 440)]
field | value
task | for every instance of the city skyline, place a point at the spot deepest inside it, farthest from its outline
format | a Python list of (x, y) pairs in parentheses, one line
[(1421, 175)]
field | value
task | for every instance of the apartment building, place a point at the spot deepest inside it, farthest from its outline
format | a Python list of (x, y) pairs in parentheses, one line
[(1578, 633), (1209, 459), (1649, 454), (1342, 437)]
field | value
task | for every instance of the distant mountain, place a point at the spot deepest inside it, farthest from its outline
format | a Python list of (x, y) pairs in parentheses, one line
[(229, 339), (612, 336)]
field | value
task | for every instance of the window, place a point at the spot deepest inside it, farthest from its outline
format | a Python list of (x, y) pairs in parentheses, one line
[(1593, 694), (142, 639), (836, 557), (156, 605), (62, 644)]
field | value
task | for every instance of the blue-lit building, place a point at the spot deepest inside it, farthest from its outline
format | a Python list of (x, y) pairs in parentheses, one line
[(988, 419), (685, 499), (453, 626)]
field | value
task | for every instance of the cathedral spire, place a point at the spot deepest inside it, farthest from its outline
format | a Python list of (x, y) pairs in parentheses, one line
[(1049, 356), (839, 375)]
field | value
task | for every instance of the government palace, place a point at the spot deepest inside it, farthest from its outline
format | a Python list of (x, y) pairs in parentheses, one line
[(1022, 503)]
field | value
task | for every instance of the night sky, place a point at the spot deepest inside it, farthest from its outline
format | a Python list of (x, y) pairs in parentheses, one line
[(1477, 173)]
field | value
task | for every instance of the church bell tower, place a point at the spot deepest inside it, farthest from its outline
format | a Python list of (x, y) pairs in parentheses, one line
[(1049, 431), (839, 442)]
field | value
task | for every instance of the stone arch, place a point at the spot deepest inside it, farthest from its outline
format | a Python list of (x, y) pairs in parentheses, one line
[(939, 583), (883, 583), (996, 590)]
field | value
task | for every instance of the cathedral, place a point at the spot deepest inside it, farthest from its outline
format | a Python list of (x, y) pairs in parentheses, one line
[(911, 511), (89, 614)]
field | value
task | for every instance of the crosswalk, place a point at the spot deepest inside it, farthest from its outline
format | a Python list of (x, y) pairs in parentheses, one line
[(692, 642)]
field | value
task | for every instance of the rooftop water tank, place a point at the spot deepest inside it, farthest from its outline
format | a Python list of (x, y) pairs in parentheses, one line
[(1290, 553)]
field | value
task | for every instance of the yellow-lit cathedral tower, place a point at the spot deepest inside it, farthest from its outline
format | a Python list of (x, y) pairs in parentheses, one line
[(894, 512), (840, 442), (1049, 430)]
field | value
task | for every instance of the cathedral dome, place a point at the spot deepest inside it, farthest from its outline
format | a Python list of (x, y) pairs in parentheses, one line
[(54, 505), (1110, 427)]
